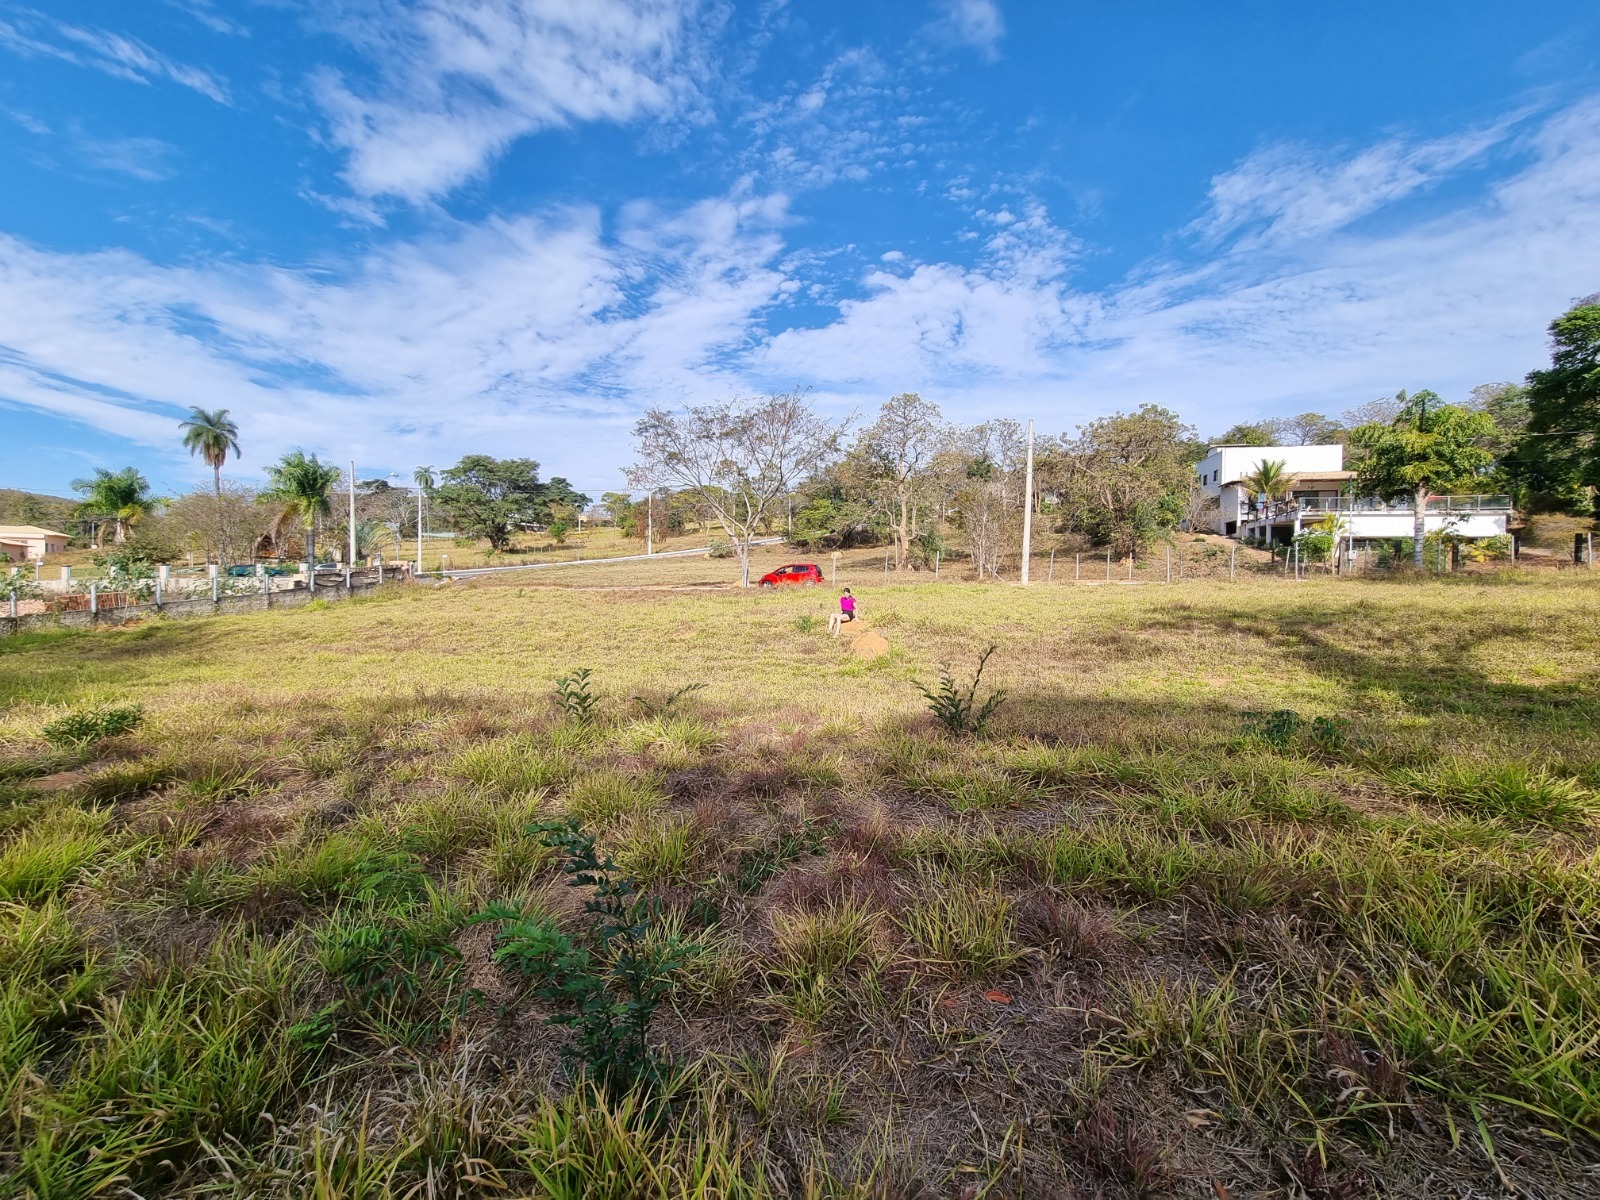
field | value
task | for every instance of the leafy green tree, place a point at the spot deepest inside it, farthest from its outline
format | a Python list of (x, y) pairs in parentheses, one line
[(1560, 450), (1122, 474), (1251, 433), (121, 497), (618, 506), (488, 497), (555, 498), (304, 487), (1429, 449)]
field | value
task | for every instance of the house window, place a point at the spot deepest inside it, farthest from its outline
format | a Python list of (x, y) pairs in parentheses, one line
[(1216, 475)]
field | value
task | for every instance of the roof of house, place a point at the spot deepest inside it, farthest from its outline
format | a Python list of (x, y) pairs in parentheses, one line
[(29, 531)]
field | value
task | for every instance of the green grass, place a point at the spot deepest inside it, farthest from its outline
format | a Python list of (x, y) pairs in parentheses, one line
[(1353, 937)]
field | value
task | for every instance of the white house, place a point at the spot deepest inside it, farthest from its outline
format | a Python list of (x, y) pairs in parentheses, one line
[(1319, 488)]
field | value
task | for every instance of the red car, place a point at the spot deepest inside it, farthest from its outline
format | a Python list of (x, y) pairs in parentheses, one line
[(805, 574)]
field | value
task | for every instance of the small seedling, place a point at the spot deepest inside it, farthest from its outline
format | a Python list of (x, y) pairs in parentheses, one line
[(959, 711), (662, 708), (607, 985), (578, 702), (81, 729)]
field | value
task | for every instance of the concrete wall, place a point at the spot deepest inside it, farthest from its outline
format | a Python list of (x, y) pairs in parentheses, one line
[(203, 607)]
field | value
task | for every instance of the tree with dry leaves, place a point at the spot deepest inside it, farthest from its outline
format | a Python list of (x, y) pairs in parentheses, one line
[(738, 457)]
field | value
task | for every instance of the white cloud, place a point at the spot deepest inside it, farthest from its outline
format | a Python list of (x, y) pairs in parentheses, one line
[(975, 23), (834, 128), (1282, 193), (455, 82), (34, 35)]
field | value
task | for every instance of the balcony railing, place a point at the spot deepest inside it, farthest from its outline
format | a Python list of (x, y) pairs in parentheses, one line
[(1318, 506)]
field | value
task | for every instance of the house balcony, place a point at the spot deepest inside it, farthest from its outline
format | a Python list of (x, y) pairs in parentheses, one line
[(1366, 517)]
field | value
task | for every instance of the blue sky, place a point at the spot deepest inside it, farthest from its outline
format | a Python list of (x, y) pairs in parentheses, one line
[(405, 230)]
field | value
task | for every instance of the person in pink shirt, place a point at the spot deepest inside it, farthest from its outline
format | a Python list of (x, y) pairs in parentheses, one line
[(847, 612)]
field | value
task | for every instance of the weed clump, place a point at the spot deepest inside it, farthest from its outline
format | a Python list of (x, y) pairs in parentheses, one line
[(82, 728), (1284, 729), (607, 984), (959, 711)]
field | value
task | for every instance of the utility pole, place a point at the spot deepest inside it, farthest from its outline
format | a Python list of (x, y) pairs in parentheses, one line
[(649, 523), (1027, 510), (419, 530), (352, 559)]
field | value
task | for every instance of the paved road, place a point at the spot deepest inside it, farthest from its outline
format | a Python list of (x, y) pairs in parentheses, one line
[(474, 572)]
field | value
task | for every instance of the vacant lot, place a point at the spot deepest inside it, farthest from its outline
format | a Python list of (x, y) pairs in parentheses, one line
[(1253, 890)]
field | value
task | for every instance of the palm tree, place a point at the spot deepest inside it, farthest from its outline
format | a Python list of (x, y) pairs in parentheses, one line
[(122, 496), (426, 481), (211, 435), (371, 538), (1270, 479), (304, 487)]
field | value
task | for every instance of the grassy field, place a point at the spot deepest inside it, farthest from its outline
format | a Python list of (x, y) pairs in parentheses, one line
[(1245, 891)]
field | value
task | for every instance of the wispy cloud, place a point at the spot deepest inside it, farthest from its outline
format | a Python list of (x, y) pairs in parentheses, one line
[(34, 35), (143, 158), (148, 159), (975, 23), (455, 82), (1283, 193), (205, 12)]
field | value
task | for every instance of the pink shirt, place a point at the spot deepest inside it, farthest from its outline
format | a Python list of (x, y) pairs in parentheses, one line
[(847, 604)]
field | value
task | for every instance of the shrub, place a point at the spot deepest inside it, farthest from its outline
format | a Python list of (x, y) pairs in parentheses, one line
[(575, 697), (957, 711), (84, 727), (719, 548), (608, 984), (19, 587)]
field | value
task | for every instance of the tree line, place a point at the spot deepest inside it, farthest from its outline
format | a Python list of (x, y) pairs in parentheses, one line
[(907, 478)]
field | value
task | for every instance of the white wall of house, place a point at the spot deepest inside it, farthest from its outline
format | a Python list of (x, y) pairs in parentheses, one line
[(1229, 464), (1363, 525)]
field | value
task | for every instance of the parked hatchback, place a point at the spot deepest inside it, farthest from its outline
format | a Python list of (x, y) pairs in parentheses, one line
[(805, 574)]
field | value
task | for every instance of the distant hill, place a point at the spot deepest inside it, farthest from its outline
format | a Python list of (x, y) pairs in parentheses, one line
[(31, 508)]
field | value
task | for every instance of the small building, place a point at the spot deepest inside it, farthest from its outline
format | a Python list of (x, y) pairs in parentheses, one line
[(29, 543), (1319, 488)]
